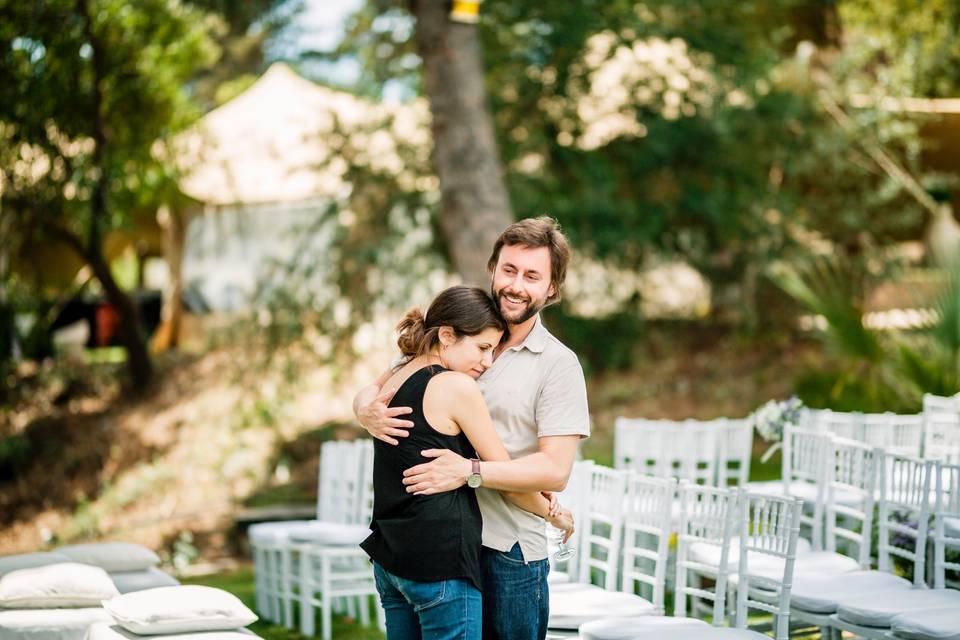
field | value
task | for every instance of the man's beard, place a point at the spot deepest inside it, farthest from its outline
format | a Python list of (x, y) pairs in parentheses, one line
[(533, 308)]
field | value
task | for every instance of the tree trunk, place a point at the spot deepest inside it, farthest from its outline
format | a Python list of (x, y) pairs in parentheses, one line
[(139, 365), (174, 225), (474, 204), (138, 358)]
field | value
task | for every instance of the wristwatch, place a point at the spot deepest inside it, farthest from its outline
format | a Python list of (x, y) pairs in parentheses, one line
[(474, 480)]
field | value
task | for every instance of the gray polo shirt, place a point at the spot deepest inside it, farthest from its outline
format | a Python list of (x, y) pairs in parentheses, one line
[(533, 389)]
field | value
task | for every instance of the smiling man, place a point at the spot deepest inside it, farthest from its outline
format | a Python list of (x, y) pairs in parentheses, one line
[(537, 398)]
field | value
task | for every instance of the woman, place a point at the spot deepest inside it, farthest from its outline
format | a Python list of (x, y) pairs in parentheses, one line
[(426, 549)]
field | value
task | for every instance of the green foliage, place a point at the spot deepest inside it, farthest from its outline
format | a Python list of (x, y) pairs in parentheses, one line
[(623, 329), (718, 151), (873, 371)]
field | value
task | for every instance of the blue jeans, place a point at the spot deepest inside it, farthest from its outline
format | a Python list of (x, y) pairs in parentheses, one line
[(516, 601), (444, 610)]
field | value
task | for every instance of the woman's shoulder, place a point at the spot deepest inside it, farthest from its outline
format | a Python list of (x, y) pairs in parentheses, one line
[(453, 384)]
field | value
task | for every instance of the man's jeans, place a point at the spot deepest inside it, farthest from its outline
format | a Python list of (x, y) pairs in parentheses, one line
[(444, 610), (516, 602)]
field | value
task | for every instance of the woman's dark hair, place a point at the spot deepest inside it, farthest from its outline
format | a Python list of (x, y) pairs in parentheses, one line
[(468, 310)]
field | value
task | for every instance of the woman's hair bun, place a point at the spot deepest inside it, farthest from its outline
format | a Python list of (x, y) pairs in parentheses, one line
[(411, 331)]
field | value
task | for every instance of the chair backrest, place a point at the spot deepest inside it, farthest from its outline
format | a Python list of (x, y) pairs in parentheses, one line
[(769, 527), (903, 512), (687, 450), (940, 404), (946, 511), (345, 492), (941, 436), (646, 537), (838, 423), (602, 527), (707, 516), (895, 433), (734, 453), (848, 511), (575, 497), (806, 461)]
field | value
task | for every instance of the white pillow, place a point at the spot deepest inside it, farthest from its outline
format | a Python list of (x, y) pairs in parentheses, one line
[(112, 556), (29, 560), (57, 585), (182, 609)]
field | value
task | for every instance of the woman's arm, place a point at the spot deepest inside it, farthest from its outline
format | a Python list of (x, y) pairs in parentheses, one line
[(459, 397)]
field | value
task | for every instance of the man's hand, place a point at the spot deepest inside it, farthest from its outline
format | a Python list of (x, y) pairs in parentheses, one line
[(446, 472), (381, 420)]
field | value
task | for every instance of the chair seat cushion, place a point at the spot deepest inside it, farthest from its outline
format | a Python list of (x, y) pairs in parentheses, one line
[(951, 527), (822, 594), (576, 604), (709, 554), (627, 628), (330, 533), (108, 631), (50, 624), (879, 609), (557, 577), (928, 624), (266, 533), (698, 633)]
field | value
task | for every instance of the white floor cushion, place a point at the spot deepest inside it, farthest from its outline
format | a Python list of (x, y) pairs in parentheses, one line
[(627, 628), (56, 586), (572, 607), (50, 624), (183, 609), (821, 594), (330, 533), (928, 624), (109, 631), (710, 633), (877, 610), (129, 581), (112, 556), (29, 561)]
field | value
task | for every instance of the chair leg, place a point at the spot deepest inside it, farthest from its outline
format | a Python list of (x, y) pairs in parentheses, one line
[(325, 609), (307, 626), (286, 589)]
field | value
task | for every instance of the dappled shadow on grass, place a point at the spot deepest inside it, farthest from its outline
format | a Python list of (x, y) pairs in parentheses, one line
[(240, 584)]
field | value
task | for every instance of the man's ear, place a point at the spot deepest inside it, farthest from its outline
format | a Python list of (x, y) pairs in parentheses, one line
[(552, 291), (447, 336)]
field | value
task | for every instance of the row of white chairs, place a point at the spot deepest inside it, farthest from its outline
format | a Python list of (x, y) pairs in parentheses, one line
[(304, 566), (834, 589), (710, 452), (616, 589), (933, 434)]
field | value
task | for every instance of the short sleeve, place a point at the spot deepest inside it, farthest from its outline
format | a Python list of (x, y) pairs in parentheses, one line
[(562, 405)]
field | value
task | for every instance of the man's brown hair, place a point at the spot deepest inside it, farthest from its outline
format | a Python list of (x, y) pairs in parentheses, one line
[(542, 231)]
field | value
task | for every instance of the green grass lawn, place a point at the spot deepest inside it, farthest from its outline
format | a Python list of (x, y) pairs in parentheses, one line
[(240, 584)]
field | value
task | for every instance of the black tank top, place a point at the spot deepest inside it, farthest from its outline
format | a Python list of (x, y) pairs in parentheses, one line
[(423, 538)]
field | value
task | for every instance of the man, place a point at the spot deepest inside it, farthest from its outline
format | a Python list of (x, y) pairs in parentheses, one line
[(537, 398)]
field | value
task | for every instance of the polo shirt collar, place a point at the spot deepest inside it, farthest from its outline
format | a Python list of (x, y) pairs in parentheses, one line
[(536, 340)]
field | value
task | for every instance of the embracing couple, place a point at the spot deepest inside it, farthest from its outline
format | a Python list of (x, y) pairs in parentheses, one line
[(476, 425)]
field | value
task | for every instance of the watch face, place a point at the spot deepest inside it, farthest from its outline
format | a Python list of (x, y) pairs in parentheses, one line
[(473, 480)]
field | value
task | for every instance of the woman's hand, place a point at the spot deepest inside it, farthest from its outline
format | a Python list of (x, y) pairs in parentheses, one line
[(563, 521)]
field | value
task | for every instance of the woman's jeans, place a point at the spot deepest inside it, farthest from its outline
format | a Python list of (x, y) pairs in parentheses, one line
[(444, 610)]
